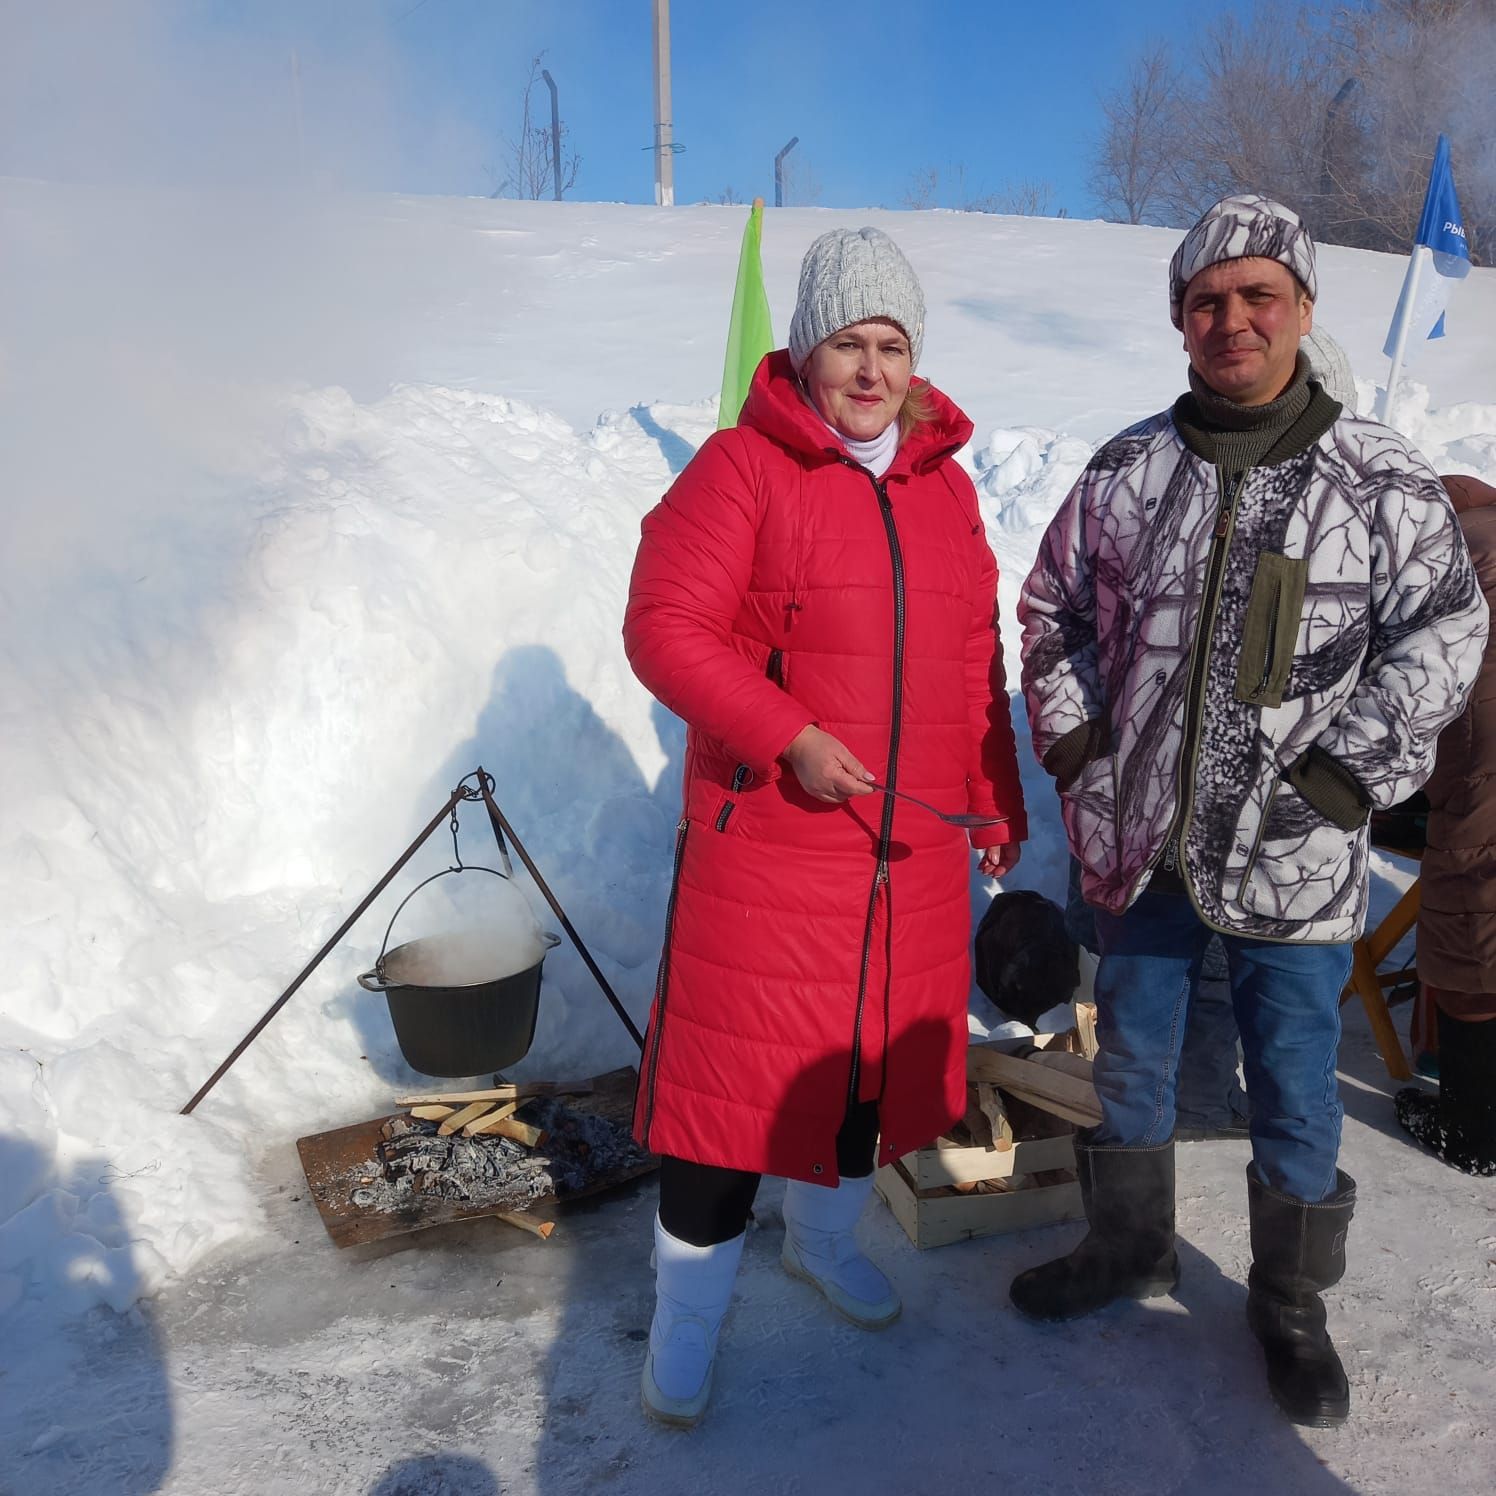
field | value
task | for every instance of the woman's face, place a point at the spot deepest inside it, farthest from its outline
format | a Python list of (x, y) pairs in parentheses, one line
[(858, 377)]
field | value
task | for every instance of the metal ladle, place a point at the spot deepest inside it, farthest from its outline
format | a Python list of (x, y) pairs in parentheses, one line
[(966, 821)]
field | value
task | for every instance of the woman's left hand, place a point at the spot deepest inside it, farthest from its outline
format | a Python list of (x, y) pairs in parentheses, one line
[(998, 861)]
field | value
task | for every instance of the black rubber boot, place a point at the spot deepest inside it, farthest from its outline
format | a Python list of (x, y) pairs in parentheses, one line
[(1459, 1125), (1129, 1251), (1298, 1251)]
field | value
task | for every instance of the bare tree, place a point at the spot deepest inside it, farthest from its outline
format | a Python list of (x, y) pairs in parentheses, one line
[(1025, 199), (1332, 109), (1422, 67), (922, 189), (1136, 155), (946, 187), (529, 165)]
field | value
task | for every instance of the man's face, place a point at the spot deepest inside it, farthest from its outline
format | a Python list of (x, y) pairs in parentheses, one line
[(1242, 323)]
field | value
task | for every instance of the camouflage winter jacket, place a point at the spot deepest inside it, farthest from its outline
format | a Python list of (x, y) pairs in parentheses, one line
[(1247, 665)]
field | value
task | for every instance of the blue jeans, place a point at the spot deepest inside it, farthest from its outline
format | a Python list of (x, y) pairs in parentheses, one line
[(1208, 1090), (1287, 1001)]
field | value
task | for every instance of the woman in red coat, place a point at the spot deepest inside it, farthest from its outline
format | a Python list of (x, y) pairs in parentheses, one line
[(816, 598)]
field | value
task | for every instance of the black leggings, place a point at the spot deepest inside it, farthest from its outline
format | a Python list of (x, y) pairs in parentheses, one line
[(703, 1205)]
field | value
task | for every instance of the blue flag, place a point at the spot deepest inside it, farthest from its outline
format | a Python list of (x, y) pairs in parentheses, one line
[(1441, 256)]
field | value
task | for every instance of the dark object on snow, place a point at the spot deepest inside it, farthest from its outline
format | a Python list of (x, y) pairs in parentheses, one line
[(1298, 1251), (462, 1030), (1128, 1253), (1459, 1124), (448, 1027), (1025, 962)]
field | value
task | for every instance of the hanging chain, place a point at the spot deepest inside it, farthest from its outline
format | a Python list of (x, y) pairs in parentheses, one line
[(482, 782), (457, 866)]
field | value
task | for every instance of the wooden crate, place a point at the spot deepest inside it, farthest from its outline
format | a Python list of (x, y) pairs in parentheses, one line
[(935, 1219), (918, 1188)]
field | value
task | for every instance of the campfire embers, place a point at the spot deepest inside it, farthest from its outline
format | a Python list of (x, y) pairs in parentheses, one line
[(429, 1166), (573, 1151)]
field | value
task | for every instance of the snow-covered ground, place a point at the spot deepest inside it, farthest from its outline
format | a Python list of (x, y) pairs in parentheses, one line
[(311, 507)]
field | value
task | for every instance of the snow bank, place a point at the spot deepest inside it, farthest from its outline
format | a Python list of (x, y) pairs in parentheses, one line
[(413, 587), (236, 686)]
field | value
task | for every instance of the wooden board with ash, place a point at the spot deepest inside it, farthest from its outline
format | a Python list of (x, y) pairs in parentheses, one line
[(396, 1174)]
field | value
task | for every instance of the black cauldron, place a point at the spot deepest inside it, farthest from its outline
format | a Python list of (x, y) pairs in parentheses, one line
[(450, 1019)]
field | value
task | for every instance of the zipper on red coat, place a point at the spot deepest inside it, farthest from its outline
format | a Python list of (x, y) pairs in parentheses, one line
[(739, 779), (662, 985), (740, 776), (891, 778)]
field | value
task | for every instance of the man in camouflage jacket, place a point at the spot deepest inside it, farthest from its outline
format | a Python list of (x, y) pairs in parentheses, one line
[(1245, 627)]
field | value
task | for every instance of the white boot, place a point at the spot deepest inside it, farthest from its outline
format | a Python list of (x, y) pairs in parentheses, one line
[(820, 1248), (692, 1288)]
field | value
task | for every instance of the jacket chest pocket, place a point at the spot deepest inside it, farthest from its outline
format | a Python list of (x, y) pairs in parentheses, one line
[(1271, 629)]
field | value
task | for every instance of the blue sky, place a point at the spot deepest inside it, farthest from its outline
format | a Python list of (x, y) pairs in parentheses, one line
[(415, 95)]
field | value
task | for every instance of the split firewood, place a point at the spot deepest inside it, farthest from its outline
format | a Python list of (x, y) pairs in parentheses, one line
[(983, 1186), (517, 1092), (542, 1229), (989, 1103), (520, 1132), (462, 1118), (432, 1113), (975, 1122), (489, 1121), (1085, 1026), (1050, 1081)]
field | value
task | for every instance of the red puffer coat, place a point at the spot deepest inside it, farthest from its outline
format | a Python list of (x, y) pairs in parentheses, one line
[(818, 953)]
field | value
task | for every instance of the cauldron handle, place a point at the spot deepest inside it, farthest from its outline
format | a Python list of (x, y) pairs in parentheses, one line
[(377, 975)]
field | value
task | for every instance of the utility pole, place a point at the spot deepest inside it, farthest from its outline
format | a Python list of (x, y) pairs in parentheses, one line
[(664, 139), (550, 83), (779, 171)]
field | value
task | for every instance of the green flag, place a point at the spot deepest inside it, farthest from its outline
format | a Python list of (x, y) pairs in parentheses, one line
[(750, 336)]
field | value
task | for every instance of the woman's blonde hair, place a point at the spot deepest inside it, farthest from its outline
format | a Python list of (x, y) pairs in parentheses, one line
[(918, 407)]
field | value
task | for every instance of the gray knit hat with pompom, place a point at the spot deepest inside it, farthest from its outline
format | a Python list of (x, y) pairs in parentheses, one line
[(853, 275), (1330, 366)]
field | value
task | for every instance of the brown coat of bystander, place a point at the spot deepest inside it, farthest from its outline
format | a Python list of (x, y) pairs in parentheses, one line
[(1457, 925)]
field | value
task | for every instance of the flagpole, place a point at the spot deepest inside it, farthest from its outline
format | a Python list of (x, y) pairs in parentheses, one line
[(749, 334), (1409, 300)]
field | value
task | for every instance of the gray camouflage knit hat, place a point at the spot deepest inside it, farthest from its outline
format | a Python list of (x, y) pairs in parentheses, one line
[(1329, 365), (1238, 228), (851, 275)]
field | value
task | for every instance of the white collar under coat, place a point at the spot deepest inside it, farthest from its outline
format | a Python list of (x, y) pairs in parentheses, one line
[(877, 454)]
